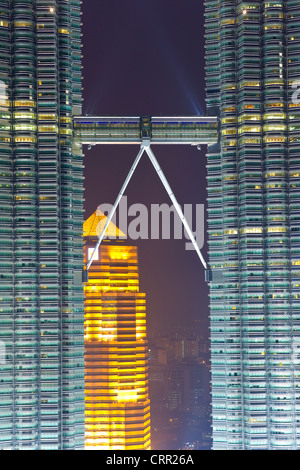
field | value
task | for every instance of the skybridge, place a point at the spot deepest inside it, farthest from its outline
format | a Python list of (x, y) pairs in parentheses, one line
[(146, 131), (188, 130)]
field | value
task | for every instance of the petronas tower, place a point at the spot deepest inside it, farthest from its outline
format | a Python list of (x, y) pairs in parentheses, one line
[(41, 333)]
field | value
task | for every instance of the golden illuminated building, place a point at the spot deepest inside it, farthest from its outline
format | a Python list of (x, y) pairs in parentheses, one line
[(117, 407)]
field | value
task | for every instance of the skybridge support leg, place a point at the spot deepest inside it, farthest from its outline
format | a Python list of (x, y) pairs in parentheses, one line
[(113, 210), (175, 203), (145, 146)]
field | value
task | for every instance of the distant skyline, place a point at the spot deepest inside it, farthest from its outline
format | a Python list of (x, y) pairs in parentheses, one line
[(142, 60)]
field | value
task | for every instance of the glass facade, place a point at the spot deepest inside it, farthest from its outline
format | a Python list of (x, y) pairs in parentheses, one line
[(252, 61), (117, 407), (41, 309)]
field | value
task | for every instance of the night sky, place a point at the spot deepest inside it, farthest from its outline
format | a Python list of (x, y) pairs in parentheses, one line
[(147, 58)]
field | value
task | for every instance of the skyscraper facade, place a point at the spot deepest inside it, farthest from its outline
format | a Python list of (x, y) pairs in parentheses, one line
[(117, 407), (252, 64), (42, 376)]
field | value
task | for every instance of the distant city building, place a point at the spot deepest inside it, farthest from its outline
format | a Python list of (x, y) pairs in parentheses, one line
[(177, 387), (177, 376), (253, 81), (162, 342), (176, 349), (158, 356), (188, 387), (191, 347), (117, 406)]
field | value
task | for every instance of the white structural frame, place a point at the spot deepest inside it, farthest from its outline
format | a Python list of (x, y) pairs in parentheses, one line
[(146, 147)]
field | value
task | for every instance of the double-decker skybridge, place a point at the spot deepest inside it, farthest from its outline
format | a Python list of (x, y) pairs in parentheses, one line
[(146, 131), (190, 130)]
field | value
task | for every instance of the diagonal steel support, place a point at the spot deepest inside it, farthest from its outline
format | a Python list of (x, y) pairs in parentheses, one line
[(113, 210), (174, 201), (145, 147)]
